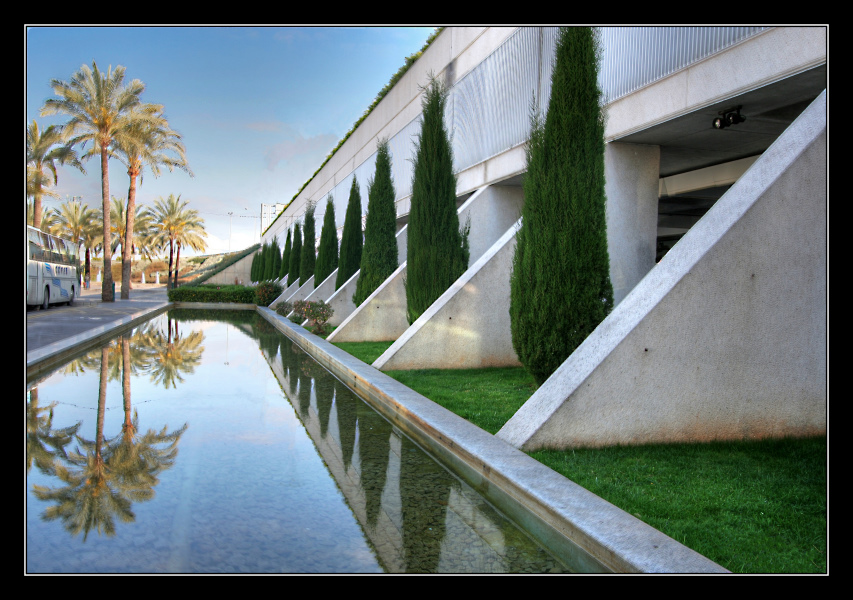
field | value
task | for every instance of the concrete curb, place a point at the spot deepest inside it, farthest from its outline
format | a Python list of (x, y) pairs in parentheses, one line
[(57, 352), (585, 531)]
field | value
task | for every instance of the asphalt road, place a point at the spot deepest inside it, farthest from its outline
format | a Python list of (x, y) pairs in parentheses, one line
[(62, 322)]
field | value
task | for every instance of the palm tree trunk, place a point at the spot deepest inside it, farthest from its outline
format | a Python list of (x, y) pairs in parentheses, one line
[(177, 259), (37, 211), (107, 292), (171, 256), (127, 246), (88, 270)]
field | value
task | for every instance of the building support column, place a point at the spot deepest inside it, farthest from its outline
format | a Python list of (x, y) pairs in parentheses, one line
[(632, 173)]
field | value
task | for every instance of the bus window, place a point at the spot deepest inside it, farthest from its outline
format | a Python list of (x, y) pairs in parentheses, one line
[(36, 252)]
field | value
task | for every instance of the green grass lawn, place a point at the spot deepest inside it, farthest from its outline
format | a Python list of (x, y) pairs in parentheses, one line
[(366, 352), (327, 331), (752, 507), (486, 397)]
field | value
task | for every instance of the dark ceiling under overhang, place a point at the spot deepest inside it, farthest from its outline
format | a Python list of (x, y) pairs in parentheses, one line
[(690, 142)]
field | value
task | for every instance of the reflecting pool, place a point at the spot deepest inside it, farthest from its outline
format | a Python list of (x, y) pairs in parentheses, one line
[(206, 442)]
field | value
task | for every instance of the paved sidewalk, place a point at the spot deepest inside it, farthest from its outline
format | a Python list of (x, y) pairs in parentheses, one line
[(53, 332)]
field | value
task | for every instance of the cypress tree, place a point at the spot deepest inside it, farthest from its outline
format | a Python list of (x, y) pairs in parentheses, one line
[(295, 256), (253, 271), (259, 267), (327, 255), (271, 264), (309, 239), (275, 259), (437, 249), (379, 257), (560, 284), (265, 276), (285, 260), (351, 237), (276, 264)]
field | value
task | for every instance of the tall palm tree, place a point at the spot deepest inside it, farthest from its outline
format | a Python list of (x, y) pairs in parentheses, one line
[(174, 225), (93, 241), (151, 143), (190, 234), (99, 106), (44, 150), (74, 219), (48, 219), (164, 215), (78, 222), (118, 222)]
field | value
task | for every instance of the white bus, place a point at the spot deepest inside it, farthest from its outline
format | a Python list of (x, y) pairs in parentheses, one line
[(53, 269)]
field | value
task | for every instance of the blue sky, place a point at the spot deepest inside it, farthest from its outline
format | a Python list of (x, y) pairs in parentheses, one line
[(259, 108)]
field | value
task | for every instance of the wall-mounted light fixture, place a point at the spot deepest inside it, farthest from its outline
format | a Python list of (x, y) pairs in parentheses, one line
[(728, 117)]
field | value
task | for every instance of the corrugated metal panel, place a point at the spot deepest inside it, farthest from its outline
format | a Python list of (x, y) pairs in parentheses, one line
[(402, 150), (637, 56), (488, 110)]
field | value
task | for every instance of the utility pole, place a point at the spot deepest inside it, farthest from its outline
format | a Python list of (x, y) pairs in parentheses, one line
[(230, 217)]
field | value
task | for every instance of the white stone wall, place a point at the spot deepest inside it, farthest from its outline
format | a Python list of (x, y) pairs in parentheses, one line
[(725, 338)]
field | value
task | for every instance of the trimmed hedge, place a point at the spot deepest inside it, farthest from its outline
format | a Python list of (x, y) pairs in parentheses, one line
[(267, 292), (308, 257), (238, 294), (295, 256)]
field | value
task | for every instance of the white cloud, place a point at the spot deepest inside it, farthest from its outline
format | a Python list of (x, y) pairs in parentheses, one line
[(300, 150)]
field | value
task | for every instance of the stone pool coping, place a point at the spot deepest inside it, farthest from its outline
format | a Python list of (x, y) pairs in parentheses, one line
[(582, 529), (45, 358)]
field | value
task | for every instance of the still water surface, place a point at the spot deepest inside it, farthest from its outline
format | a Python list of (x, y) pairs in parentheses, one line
[(206, 442)]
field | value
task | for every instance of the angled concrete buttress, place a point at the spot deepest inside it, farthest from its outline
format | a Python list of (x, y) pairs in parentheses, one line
[(239, 271), (341, 299), (726, 337), (468, 327), (382, 317), (385, 319), (322, 291), (287, 293), (303, 291)]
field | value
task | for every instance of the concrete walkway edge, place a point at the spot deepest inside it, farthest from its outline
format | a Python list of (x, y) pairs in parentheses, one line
[(579, 527), (48, 356)]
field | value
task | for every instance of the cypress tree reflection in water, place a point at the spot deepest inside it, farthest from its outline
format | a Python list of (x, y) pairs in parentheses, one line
[(282, 469)]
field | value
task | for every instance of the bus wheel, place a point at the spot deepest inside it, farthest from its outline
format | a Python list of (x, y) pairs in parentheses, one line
[(46, 302)]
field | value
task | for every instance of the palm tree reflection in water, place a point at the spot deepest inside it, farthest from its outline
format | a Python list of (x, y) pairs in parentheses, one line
[(103, 477)]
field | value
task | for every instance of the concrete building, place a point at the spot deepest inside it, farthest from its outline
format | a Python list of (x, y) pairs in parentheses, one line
[(269, 212), (725, 337)]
